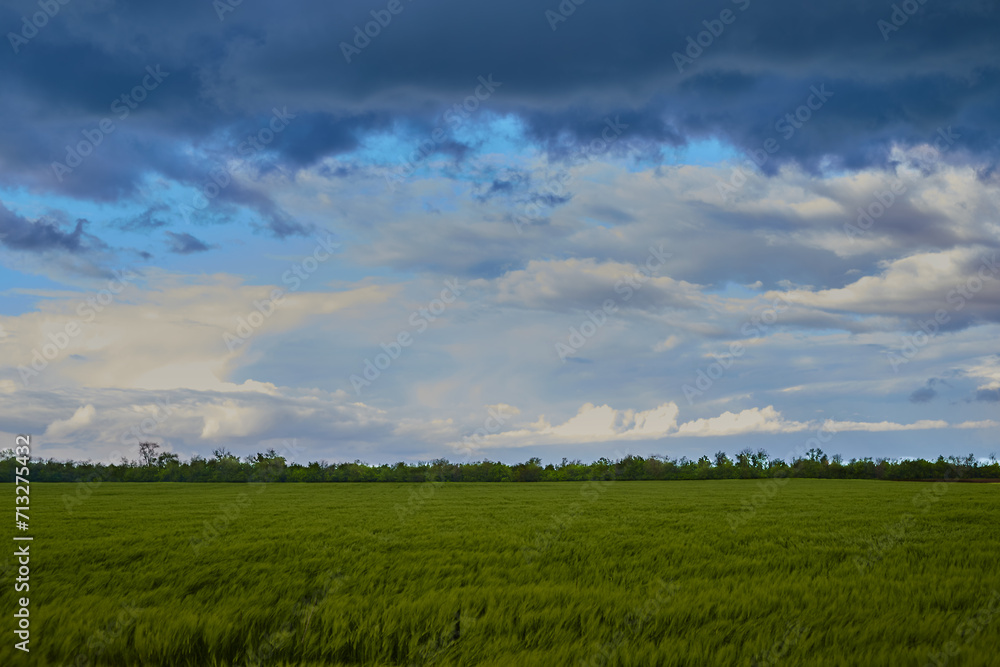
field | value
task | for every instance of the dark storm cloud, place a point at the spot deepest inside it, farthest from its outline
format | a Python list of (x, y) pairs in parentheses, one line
[(607, 62), (315, 135), (939, 68), (618, 58)]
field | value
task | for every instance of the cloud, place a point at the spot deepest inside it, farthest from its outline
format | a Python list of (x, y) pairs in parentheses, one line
[(19, 233), (604, 424), (754, 420), (169, 337), (667, 344), (62, 428), (561, 86), (834, 426), (962, 284), (924, 394), (185, 244), (988, 395), (592, 423), (785, 229), (328, 425), (986, 423), (581, 284), (986, 368), (151, 218)]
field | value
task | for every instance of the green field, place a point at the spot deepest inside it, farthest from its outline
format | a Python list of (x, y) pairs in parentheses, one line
[(816, 572)]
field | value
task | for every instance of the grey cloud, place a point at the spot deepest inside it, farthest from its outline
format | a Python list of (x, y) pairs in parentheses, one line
[(19, 233), (988, 395), (185, 244)]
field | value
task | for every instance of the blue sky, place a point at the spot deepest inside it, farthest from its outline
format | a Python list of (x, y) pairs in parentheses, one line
[(495, 234)]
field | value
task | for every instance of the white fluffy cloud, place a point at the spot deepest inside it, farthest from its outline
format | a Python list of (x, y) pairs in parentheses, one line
[(754, 420), (602, 423), (168, 335), (920, 284), (61, 428), (987, 371)]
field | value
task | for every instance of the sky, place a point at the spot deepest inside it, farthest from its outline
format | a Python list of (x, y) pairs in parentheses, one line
[(405, 230)]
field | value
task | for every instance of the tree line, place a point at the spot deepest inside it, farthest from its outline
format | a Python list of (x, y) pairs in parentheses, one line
[(269, 466)]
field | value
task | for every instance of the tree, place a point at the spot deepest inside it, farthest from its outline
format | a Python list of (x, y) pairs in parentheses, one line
[(761, 459), (743, 461), (531, 471), (225, 466), (704, 468), (167, 459), (270, 467), (147, 453)]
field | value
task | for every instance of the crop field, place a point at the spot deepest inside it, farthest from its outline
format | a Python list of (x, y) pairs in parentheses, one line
[(814, 572)]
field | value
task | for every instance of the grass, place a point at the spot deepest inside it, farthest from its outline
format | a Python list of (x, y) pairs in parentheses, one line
[(820, 572)]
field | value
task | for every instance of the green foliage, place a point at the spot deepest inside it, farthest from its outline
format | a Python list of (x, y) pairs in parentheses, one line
[(269, 466), (439, 574)]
